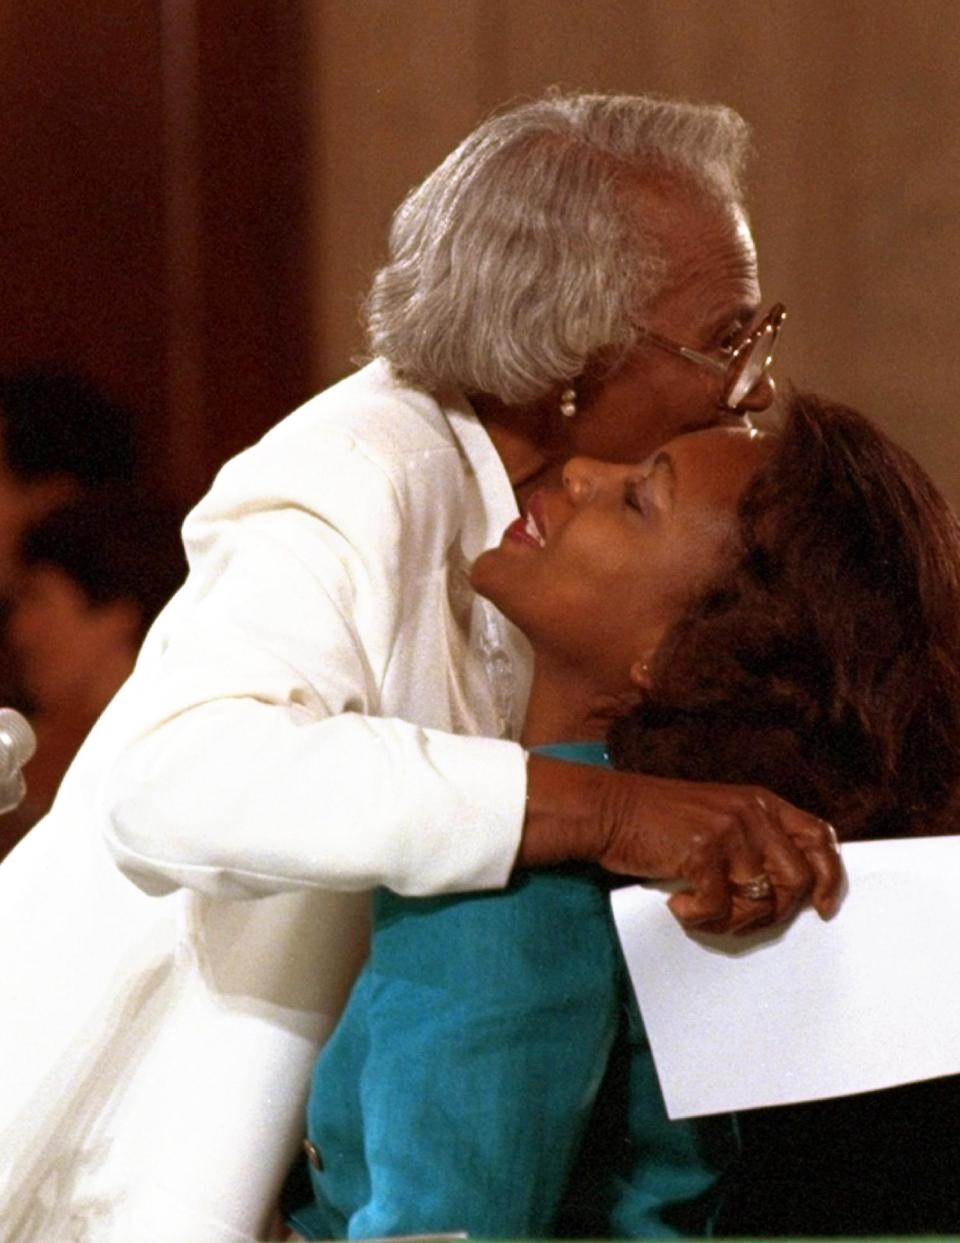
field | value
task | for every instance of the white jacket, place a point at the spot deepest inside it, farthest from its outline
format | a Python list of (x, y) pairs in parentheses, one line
[(290, 730)]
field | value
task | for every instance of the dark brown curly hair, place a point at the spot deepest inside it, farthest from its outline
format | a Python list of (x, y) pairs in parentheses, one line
[(825, 665)]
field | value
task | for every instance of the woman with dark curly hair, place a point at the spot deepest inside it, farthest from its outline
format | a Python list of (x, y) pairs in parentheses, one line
[(780, 610), (826, 663)]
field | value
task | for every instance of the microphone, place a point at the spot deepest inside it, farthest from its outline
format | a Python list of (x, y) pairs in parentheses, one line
[(17, 745)]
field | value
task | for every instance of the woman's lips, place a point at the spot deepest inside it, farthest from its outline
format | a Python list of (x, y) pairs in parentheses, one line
[(528, 528)]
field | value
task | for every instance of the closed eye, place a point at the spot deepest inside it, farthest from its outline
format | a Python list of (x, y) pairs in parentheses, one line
[(731, 339), (730, 333), (635, 495), (661, 481)]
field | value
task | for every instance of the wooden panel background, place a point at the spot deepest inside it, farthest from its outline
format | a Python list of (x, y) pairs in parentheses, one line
[(81, 205), (154, 213)]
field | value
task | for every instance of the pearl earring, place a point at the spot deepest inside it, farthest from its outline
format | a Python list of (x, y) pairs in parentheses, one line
[(568, 402)]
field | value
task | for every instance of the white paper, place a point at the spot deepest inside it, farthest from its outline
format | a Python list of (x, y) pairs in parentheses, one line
[(867, 1000)]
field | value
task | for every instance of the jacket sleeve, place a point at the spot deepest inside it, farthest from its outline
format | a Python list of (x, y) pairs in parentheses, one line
[(254, 758)]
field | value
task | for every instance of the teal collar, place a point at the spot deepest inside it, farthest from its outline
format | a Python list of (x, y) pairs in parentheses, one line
[(576, 752)]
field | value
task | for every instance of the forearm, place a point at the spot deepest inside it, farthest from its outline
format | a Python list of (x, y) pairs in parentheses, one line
[(345, 803), (719, 841), (586, 813), (563, 821)]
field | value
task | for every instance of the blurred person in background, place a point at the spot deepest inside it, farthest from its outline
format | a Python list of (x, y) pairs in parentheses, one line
[(94, 574), (59, 435)]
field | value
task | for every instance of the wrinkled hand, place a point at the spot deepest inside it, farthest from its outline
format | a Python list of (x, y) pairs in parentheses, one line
[(744, 857), (748, 858)]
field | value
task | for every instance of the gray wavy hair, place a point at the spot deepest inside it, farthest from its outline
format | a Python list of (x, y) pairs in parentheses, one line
[(522, 257)]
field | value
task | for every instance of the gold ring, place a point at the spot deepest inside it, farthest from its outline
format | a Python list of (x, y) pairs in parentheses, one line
[(756, 888)]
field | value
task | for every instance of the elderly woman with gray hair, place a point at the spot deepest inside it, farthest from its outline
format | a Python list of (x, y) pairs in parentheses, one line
[(325, 706)]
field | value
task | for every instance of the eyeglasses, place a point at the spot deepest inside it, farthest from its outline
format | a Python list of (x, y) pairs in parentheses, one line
[(744, 367)]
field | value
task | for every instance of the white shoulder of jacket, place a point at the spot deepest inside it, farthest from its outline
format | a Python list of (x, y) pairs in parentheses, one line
[(379, 426), (261, 685)]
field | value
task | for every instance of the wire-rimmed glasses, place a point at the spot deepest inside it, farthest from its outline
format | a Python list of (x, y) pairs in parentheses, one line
[(745, 366)]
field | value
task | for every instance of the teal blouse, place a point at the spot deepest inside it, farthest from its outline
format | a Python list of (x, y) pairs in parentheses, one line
[(491, 1074)]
